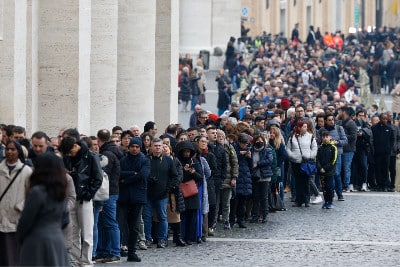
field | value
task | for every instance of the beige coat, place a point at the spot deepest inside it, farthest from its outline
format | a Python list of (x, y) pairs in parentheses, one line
[(396, 99), (13, 201)]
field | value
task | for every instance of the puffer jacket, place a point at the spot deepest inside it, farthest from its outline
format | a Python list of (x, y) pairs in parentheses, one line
[(135, 171), (232, 166), (13, 202), (266, 159), (308, 146), (243, 182)]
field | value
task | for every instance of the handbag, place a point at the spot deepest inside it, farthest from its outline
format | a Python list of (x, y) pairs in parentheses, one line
[(103, 193), (274, 200), (308, 167), (12, 181), (189, 188)]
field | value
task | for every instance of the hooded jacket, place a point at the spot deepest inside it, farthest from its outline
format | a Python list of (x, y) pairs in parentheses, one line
[(113, 168), (192, 202)]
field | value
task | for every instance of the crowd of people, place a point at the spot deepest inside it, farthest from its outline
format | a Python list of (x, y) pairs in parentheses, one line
[(290, 119)]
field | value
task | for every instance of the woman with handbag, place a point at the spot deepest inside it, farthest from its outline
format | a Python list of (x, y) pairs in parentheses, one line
[(277, 142), (14, 176), (192, 175), (262, 173), (301, 149)]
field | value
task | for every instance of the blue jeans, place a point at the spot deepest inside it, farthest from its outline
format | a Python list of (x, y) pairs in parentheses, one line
[(160, 206), (337, 179), (96, 211), (347, 158), (109, 235), (194, 102)]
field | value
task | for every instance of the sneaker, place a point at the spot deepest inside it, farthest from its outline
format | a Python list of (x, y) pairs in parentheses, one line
[(99, 258), (111, 259), (134, 257), (227, 226), (346, 189), (364, 187), (148, 243), (162, 243), (324, 205), (142, 245), (329, 206), (340, 198), (351, 188), (317, 200), (123, 253), (210, 231)]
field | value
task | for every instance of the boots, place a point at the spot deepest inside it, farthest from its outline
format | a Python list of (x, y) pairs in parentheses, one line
[(176, 229)]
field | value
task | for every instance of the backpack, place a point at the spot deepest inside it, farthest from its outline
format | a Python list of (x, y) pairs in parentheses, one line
[(103, 193)]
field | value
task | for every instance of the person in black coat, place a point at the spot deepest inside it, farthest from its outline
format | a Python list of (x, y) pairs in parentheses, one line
[(135, 171), (39, 228), (191, 171), (326, 167), (383, 142), (163, 179)]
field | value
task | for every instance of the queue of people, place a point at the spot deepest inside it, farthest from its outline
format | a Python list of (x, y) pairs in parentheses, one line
[(289, 120)]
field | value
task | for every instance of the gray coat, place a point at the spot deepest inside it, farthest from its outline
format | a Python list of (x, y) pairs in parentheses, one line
[(39, 230)]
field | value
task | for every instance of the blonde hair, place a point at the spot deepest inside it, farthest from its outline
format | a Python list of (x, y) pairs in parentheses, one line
[(278, 137)]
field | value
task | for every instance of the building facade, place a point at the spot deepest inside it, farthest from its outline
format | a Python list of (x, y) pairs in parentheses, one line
[(275, 16)]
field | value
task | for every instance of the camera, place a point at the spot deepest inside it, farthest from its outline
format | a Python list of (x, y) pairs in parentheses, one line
[(248, 147)]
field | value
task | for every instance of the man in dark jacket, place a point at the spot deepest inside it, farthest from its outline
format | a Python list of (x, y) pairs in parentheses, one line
[(350, 128), (395, 150), (84, 167), (108, 231), (135, 171), (163, 177), (220, 174), (383, 143), (364, 149)]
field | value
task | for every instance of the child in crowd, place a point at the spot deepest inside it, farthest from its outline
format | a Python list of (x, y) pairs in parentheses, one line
[(326, 161)]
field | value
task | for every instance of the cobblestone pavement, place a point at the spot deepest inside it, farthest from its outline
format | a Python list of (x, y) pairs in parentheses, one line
[(364, 230)]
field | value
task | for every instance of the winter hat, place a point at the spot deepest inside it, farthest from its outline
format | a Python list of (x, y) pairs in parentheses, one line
[(285, 103), (135, 141), (213, 117)]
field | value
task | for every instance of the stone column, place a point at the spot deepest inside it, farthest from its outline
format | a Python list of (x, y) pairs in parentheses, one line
[(136, 62), (103, 65), (195, 25), (167, 53), (13, 63), (58, 65), (225, 21)]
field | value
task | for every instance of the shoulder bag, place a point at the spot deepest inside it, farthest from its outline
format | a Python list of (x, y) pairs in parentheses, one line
[(12, 181), (189, 188), (308, 167)]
